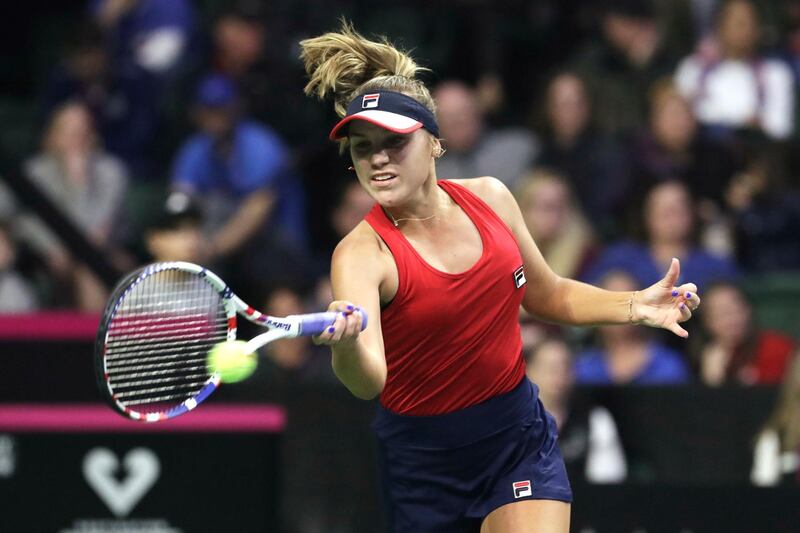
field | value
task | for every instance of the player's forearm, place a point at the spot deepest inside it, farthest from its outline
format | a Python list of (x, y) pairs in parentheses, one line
[(579, 304), (359, 370)]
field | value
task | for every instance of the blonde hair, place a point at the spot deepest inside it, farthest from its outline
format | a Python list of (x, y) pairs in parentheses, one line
[(345, 64)]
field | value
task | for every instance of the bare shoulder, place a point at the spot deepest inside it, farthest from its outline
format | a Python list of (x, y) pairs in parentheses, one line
[(361, 250), (495, 193)]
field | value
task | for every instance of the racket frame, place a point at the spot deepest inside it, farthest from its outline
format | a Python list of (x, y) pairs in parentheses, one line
[(278, 328)]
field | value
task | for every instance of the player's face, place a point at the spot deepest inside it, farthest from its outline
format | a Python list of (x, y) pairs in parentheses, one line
[(391, 166)]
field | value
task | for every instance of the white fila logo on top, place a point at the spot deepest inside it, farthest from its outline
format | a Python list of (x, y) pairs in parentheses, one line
[(519, 277), (370, 101), (521, 488)]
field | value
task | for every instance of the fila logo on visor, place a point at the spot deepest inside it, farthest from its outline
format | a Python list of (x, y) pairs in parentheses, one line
[(521, 489), (370, 101), (519, 277)]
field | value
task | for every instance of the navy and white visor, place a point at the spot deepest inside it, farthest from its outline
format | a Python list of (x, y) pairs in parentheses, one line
[(390, 110)]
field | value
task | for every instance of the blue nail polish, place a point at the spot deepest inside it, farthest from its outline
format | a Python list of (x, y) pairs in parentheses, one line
[(331, 329), (688, 295), (349, 307), (683, 306), (674, 293)]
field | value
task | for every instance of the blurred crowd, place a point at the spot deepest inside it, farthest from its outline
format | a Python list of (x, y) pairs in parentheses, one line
[(630, 131)]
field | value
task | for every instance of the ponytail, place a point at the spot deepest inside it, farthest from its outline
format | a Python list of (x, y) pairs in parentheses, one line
[(346, 64)]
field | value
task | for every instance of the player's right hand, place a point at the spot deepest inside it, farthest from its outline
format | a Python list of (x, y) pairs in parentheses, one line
[(345, 329)]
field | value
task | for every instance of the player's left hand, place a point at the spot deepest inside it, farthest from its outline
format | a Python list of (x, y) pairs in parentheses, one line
[(663, 305)]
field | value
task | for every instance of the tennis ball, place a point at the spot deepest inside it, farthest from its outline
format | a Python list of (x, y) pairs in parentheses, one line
[(231, 362)]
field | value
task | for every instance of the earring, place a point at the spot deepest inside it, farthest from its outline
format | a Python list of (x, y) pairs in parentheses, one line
[(439, 152), (351, 168)]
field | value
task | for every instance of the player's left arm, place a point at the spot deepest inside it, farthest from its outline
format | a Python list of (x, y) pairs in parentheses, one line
[(566, 301)]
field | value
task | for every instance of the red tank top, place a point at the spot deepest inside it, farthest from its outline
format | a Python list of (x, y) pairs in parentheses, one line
[(452, 340)]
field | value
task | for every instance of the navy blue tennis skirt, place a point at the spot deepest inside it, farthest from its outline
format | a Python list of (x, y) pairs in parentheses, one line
[(446, 473)]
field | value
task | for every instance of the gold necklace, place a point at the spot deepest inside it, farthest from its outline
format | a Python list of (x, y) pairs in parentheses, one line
[(396, 221)]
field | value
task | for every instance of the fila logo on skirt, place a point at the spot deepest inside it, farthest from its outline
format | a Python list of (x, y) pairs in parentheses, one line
[(521, 488), (519, 277)]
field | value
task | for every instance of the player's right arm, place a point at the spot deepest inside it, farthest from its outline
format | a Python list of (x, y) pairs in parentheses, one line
[(358, 269)]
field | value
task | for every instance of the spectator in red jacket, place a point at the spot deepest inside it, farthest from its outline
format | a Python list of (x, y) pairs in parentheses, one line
[(736, 350)]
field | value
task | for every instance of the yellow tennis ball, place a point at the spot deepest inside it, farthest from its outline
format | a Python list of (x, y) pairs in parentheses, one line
[(230, 360)]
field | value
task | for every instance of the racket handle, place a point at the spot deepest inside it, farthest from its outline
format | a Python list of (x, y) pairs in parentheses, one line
[(315, 323)]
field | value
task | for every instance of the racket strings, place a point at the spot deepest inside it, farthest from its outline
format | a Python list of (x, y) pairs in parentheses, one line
[(143, 341), (158, 339), (156, 401), (164, 379), (154, 356), (144, 363), (162, 371), (143, 323), (144, 320), (144, 396)]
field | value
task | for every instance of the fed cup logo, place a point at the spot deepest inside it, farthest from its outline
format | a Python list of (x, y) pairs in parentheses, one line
[(370, 101), (521, 488), (140, 466)]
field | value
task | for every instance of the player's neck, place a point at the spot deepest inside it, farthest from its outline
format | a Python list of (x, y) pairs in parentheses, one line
[(429, 205)]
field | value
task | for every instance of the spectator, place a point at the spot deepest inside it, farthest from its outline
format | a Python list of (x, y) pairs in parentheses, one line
[(240, 173), (251, 44), (777, 451), (16, 294), (671, 148), (561, 232), (351, 209), (151, 34), (177, 233), (735, 350), (239, 35), (78, 175), (121, 99), (632, 53), (587, 435), (736, 87), (89, 186), (594, 164), (287, 353), (472, 148), (299, 357), (625, 355), (669, 224), (766, 217)]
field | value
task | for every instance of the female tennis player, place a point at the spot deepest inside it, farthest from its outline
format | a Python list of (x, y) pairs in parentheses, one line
[(445, 264)]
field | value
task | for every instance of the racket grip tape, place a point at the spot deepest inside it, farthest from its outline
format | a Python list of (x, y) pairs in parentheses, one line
[(316, 323)]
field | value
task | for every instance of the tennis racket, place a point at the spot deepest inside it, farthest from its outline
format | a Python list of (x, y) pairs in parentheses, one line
[(157, 329)]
